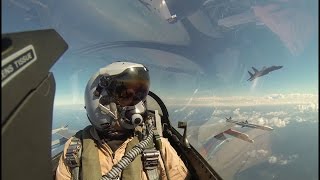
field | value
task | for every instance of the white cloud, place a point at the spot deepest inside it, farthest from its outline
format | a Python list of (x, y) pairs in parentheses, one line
[(263, 152), (257, 153), (306, 101), (252, 153), (300, 119), (251, 116), (275, 121), (272, 159), (276, 113), (275, 96), (218, 112), (294, 156), (311, 107), (287, 119), (236, 111), (261, 121), (282, 160)]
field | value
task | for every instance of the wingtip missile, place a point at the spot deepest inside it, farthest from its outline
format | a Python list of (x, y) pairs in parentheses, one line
[(262, 127), (267, 128), (240, 135)]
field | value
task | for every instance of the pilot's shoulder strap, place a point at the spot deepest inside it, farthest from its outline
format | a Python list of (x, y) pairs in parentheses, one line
[(73, 155), (148, 161), (90, 163), (81, 147), (151, 154)]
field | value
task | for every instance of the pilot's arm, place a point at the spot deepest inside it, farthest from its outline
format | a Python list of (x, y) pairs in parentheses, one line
[(63, 171), (176, 168)]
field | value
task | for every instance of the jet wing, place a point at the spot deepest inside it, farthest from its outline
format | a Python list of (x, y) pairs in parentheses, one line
[(239, 135), (212, 143), (220, 137)]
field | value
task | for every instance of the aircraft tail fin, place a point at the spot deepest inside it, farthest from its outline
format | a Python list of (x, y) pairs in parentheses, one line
[(228, 119), (251, 76), (255, 70)]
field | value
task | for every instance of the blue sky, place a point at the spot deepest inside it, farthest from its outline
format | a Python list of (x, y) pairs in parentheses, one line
[(83, 24)]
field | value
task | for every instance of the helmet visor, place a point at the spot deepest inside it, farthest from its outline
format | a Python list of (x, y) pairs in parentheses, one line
[(131, 86)]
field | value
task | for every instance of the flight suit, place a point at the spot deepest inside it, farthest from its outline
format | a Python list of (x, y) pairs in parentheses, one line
[(107, 158)]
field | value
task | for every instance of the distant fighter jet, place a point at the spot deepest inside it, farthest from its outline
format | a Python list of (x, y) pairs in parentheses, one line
[(246, 124), (220, 129), (263, 72)]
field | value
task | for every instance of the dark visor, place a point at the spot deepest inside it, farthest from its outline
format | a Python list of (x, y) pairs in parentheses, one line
[(131, 86)]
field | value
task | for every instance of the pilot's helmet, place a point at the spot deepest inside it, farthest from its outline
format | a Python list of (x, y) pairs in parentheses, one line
[(117, 94)]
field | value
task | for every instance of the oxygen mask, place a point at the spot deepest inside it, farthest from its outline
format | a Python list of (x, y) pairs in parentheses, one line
[(128, 117)]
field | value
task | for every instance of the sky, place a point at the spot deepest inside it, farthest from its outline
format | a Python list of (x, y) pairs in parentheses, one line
[(224, 74)]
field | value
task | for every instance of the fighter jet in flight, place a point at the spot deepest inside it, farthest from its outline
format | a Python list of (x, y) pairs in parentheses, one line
[(250, 125), (264, 71)]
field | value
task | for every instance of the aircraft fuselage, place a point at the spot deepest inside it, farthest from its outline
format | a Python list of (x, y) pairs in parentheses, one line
[(262, 72)]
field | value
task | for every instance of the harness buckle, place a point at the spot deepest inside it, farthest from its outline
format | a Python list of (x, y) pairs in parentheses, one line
[(150, 159), (73, 153)]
